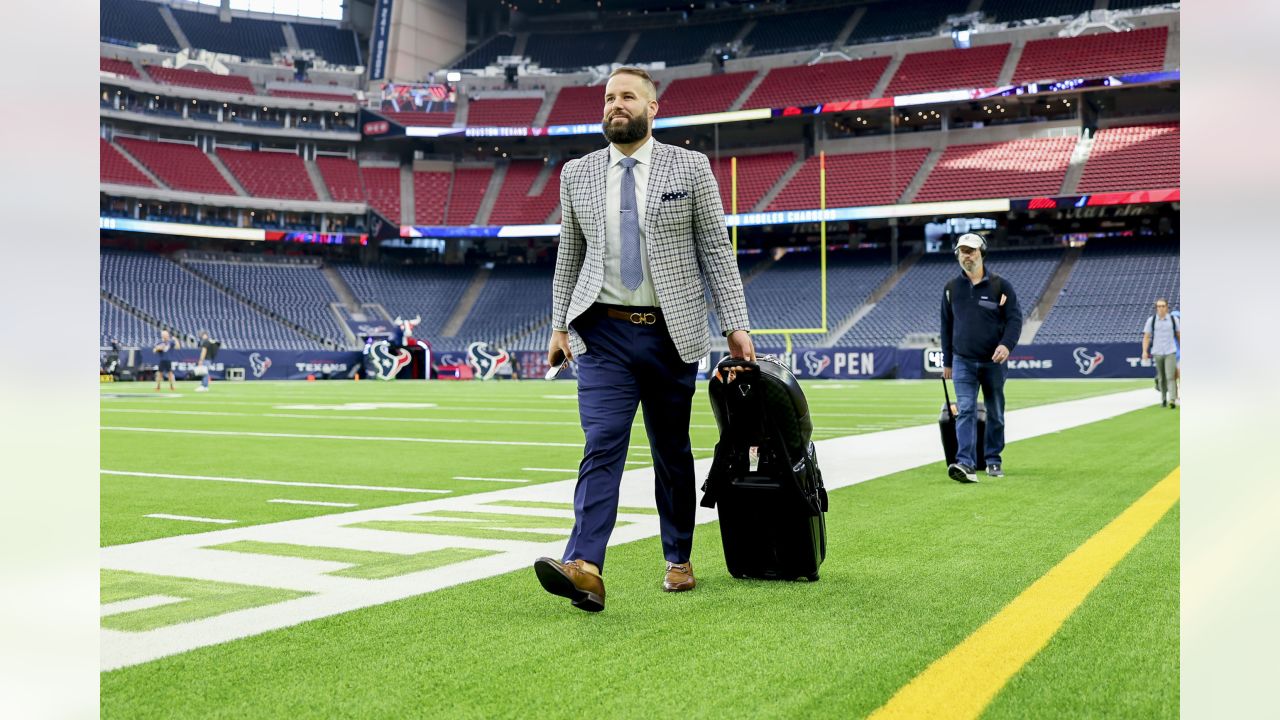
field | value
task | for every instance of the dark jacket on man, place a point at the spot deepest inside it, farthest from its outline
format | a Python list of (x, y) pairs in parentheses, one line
[(973, 320)]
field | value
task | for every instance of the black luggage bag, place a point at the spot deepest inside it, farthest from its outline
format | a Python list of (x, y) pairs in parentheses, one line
[(947, 425), (765, 477)]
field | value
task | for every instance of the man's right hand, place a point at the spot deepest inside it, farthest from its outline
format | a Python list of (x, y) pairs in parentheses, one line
[(558, 350), (1145, 356), (946, 373)]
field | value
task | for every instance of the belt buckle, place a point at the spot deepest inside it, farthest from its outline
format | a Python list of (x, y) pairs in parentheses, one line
[(643, 318)]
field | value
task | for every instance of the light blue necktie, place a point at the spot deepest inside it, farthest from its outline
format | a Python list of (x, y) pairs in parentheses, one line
[(629, 225)]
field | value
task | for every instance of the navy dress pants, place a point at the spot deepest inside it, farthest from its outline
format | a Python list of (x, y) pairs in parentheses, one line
[(628, 366)]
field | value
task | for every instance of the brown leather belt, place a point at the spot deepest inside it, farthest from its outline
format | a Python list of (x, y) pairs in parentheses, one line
[(635, 316)]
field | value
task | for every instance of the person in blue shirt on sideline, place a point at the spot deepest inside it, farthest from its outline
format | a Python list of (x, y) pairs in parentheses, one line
[(981, 322), (1160, 338)]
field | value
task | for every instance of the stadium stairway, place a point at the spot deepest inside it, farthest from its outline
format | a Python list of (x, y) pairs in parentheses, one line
[(783, 181), (226, 174), (750, 88), (895, 62), (468, 301), (1052, 290), (259, 308), (407, 207), (1075, 170), (491, 194), (843, 36), (1011, 63), (141, 168), (881, 290), (917, 182), (290, 37), (147, 318), (174, 28), (317, 181), (341, 288)]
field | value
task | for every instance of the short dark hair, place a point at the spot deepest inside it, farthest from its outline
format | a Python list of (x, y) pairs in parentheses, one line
[(640, 73)]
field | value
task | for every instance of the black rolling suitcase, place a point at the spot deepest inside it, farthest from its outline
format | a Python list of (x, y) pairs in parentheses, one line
[(765, 477), (947, 425)]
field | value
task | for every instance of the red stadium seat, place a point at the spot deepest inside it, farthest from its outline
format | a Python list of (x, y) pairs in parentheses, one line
[(347, 96), (1092, 55), (115, 168), (515, 206), (119, 67), (342, 177), (757, 174), (1017, 168), (515, 112), (269, 174), (924, 72), (1136, 157), (469, 187), (430, 195), (179, 165), (853, 180), (238, 84), (382, 185), (696, 96), (813, 84), (576, 105)]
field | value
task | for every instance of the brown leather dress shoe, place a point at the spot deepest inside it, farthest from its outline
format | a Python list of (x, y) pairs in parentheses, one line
[(571, 580), (679, 577)]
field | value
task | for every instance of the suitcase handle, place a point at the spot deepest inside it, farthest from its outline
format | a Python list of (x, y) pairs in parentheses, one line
[(948, 399), (728, 361)]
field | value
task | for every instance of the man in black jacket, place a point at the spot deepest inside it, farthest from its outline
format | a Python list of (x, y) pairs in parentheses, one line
[(981, 323)]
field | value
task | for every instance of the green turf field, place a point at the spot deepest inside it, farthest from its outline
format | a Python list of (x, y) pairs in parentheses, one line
[(916, 563)]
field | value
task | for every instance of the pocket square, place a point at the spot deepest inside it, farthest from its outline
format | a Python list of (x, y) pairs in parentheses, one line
[(677, 195)]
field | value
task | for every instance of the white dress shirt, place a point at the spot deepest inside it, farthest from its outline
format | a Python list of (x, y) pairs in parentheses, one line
[(613, 292)]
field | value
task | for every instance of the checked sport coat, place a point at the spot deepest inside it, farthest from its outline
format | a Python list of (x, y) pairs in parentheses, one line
[(685, 238)]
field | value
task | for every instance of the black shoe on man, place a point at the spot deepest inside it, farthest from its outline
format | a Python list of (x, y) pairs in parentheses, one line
[(962, 473), (993, 470)]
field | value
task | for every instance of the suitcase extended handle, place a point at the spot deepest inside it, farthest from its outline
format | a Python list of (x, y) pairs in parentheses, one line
[(946, 395), (729, 361)]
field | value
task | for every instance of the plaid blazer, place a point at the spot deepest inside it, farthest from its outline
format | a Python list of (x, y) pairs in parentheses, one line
[(685, 240)]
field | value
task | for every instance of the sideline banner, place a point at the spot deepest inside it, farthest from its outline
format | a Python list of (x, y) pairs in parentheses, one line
[(264, 364)]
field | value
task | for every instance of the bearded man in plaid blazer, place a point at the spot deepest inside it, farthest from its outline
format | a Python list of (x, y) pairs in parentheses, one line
[(642, 225)]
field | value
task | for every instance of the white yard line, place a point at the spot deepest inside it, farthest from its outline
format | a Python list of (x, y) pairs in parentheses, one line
[(141, 603), (552, 470), (254, 481), (321, 503), (315, 416), (359, 438), (190, 518), (489, 479), (845, 461)]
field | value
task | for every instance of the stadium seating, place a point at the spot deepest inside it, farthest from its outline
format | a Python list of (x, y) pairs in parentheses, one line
[(1132, 4), (503, 112), (695, 96), (569, 52), (1092, 55), (469, 187), (914, 303), (889, 20), (347, 96), (812, 84), (123, 327), (515, 299), (948, 70), (299, 293), (342, 177), (853, 180), (757, 174), (115, 168), (1111, 292), (430, 195), (575, 105), (134, 21), (338, 46), (1136, 157), (238, 84), (515, 206), (1006, 10), (256, 39), (1017, 168), (430, 291), (682, 44), (382, 188), (420, 119), (788, 293), (487, 52), (776, 33), (178, 165), (269, 174), (180, 300), (119, 67)]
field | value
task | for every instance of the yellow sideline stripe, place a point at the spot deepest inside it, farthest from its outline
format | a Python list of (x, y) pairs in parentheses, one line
[(963, 682)]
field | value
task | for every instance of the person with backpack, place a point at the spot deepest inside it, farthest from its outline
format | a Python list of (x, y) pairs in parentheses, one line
[(981, 323), (1160, 338)]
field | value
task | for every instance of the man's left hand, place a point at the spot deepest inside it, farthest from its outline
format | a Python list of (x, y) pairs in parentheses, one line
[(1001, 354)]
